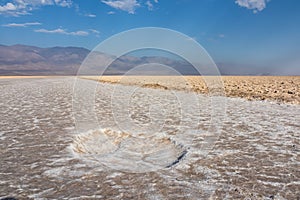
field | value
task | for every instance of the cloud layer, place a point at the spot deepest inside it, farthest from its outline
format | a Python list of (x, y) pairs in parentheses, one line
[(22, 24), (255, 5), (23, 7), (129, 6), (149, 5), (62, 31), (125, 5)]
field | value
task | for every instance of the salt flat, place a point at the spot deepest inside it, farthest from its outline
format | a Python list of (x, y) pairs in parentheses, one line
[(281, 89), (49, 149)]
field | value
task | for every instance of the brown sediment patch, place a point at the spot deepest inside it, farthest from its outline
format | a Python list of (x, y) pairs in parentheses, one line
[(155, 85), (281, 89)]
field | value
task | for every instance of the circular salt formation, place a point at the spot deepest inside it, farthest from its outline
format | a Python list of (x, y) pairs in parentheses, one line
[(121, 151)]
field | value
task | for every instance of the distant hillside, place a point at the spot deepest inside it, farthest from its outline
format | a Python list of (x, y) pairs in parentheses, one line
[(30, 60)]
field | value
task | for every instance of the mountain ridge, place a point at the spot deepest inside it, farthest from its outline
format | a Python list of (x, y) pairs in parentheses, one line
[(22, 59), (31, 60)]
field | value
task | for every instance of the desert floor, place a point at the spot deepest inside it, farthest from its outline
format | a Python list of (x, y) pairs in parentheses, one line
[(10, 77), (281, 89), (61, 140)]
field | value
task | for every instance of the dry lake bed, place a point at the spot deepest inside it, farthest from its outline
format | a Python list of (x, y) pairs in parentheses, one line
[(142, 143)]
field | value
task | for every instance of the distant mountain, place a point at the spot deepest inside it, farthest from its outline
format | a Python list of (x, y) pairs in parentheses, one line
[(31, 60)]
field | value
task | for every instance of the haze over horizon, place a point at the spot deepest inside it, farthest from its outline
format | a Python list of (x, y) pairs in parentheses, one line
[(240, 35)]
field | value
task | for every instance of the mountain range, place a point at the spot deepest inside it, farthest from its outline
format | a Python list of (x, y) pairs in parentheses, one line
[(31, 60)]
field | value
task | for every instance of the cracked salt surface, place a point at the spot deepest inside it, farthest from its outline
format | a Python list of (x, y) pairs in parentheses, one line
[(121, 151), (256, 156)]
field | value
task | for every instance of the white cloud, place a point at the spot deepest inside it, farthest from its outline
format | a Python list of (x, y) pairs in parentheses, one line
[(255, 5), (22, 7), (149, 5), (97, 33), (79, 33), (65, 32), (22, 25), (156, 1), (90, 15), (125, 5), (8, 7), (13, 9), (94, 31), (111, 12), (63, 3), (59, 30), (62, 31)]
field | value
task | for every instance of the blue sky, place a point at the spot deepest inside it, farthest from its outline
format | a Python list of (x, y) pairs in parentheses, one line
[(248, 33)]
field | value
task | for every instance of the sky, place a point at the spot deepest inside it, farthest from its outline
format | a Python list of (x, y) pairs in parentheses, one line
[(248, 33)]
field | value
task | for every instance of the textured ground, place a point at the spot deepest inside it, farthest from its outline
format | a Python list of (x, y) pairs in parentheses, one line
[(11, 77), (44, 154), (282, 89)]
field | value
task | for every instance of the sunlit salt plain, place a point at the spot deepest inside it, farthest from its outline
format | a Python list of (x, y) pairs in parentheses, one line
[(50, 148)]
